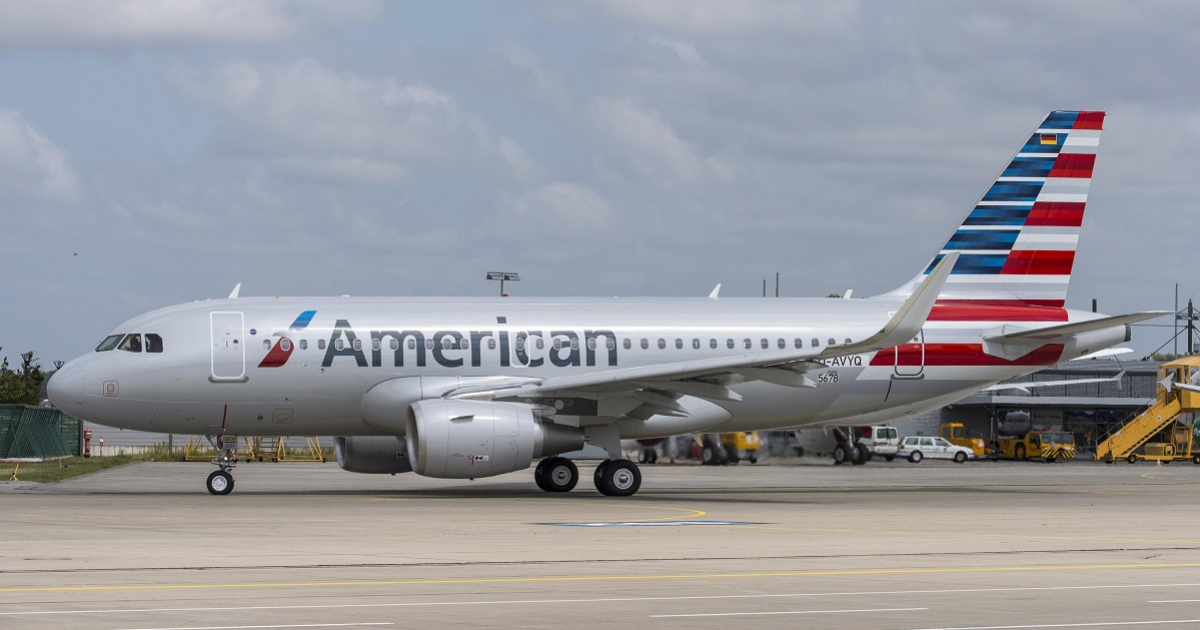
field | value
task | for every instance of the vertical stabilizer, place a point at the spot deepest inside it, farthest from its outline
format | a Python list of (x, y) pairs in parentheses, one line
[(1017, 245)]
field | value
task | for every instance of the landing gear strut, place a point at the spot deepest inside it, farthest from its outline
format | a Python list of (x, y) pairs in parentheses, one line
[(617, 478), (220, 482)]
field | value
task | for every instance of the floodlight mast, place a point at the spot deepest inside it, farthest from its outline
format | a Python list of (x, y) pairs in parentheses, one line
[(511, 276)]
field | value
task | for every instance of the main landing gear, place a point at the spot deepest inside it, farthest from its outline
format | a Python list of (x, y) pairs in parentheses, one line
[(220, 482), (613, 477)]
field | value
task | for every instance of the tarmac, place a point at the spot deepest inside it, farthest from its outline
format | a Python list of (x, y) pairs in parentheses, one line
[(885, 546)]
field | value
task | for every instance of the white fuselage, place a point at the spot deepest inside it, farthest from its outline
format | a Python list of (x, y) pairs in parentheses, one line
[(224, 367)]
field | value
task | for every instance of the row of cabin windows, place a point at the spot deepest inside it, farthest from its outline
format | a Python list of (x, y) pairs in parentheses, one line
[(465, 344), (132, 342)]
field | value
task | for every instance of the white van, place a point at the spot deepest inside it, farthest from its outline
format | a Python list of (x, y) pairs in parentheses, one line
[(883, 441)]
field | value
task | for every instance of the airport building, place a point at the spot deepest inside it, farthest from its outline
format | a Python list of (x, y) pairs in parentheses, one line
[(1110, 394)]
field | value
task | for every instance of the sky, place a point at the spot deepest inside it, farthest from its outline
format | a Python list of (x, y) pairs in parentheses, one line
[(153, 153)]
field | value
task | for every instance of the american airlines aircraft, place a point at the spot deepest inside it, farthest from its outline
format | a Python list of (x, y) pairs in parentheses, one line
[(476, 387)]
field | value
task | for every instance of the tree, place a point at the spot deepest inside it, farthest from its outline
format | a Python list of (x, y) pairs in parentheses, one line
[(23, 386)]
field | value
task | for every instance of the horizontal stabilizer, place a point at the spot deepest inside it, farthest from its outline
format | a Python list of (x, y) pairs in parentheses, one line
[(1064, 332), (1025, 387), (1107, 352)]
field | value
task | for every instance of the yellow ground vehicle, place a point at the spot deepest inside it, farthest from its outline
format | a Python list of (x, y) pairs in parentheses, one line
[(1048, 445), (729, 448), (1177, 397), (956, 433)]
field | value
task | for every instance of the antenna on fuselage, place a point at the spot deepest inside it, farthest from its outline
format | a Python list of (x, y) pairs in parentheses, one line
[(236, 289)]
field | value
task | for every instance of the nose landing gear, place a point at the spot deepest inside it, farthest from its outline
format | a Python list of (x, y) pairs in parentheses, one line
[(220, 482)]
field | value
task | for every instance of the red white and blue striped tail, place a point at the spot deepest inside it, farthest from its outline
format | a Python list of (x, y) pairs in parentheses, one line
[(1017, 246)]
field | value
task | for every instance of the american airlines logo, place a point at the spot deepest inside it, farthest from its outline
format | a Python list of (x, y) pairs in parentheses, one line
[(283, 347), (452, 348)]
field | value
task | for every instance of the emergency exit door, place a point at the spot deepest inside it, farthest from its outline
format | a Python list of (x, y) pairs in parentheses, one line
[(910, 358), (228, 346)]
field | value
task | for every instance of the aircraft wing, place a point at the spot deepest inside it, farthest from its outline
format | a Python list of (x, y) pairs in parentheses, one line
[(707, 378)]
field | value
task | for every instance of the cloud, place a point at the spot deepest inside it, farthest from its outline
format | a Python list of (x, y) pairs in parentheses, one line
[(558, 207), (309, 120), (124, 24), (643, 143), (735, 16), (32, 167)]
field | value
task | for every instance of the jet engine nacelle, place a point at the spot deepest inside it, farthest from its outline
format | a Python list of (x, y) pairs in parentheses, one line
[(374, 455), (465, 439)]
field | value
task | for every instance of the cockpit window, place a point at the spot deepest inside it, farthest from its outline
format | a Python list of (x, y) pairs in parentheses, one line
[(153, 343), (131, 343), (109, 343)]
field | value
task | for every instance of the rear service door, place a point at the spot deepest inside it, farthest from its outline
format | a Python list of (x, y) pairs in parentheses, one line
[(228, 346)]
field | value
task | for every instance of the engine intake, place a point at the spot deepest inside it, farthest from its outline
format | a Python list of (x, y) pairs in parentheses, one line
[(465, 439)]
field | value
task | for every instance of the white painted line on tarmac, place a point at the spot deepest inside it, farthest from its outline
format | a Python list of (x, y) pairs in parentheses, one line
[(302, 625), (1096, 624), (790, 612), (503, 602), (1171, 601)]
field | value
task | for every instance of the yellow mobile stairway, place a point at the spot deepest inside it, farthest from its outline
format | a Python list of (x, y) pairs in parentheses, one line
[(1173, 399)]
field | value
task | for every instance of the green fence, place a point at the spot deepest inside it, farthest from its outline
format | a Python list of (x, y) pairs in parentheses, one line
[(37, 433)]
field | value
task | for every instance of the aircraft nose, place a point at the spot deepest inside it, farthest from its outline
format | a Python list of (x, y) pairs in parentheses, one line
[(65, 389)]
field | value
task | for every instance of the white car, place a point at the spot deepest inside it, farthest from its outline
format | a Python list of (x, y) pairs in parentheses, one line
[(916, 448), (880, 440)]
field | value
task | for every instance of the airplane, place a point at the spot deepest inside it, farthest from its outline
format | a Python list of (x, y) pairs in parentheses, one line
[(467, 388)]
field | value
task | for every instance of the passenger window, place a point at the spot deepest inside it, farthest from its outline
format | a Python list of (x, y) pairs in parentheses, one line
[(591, 343), (799, 343), (429, 344), (712, 343), (412, 343), (520, 344), (448, 343), (284, 345), (729, 343), (464, 344), (816, 343), (678, 344), (394, 343), (749, 344), (695, 344), (304, 344), (848, 342), (764, 343), (375, 344), (266, 344), (109, 343), (339, 345), (154, 343), (574, 344), (557, 344), (662, 344), (542, 344), (645, 344), (832, 341), (357, 344), (610, 343), (782, 343), (628, 344), (320, 344), (132, 343), (492, 344)]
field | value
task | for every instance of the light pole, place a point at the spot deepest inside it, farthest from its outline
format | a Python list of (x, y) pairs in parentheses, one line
[(511, 276)]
